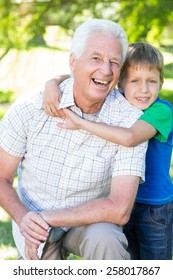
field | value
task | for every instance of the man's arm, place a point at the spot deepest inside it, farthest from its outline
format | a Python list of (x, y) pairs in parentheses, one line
[(115, 208), (8, 197), (10, 201)]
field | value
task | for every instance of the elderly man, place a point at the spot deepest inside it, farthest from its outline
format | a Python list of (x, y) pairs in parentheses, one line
[(75, 190)]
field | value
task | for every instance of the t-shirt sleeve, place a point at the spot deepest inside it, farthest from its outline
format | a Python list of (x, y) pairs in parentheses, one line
[(160, 116)]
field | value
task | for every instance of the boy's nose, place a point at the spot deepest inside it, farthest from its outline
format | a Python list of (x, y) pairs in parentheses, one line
[(144, 87)]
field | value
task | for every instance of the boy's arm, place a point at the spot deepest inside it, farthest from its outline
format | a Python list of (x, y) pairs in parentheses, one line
[(52, 96), (128, 137)]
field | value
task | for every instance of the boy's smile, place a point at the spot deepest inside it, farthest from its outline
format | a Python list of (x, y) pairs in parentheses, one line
[(142, 85)]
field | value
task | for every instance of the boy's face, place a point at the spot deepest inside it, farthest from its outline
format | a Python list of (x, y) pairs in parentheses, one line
[(141, 85)]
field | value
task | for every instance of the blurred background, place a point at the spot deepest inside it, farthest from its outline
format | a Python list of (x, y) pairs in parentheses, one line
[(35, 38)]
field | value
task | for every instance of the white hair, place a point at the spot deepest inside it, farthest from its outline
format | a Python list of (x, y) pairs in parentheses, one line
[(98, 25)]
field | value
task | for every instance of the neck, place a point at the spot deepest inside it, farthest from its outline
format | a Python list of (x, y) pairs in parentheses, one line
[(88, 108)]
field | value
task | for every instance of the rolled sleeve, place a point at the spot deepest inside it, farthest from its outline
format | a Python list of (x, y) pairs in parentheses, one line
[(131, 161)]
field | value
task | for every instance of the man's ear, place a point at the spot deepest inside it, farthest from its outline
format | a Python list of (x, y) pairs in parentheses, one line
[(72, 62)]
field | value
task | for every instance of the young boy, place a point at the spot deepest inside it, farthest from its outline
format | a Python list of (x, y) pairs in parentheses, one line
[(149, 231)]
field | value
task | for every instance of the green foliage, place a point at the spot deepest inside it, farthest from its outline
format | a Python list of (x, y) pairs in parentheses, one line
[(23, 23), (7, 96), (145, 20), (73, 257), (168, 71), (5, 233), (2, 112), (166, 94), (12, 34)]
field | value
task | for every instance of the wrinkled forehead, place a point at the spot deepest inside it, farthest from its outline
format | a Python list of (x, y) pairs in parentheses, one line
[(103, 42)]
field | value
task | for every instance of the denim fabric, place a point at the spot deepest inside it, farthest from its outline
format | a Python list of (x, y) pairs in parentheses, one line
[(149, 232)]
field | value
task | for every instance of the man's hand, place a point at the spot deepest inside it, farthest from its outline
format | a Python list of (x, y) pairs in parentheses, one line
[(34, 228), (31, 251)]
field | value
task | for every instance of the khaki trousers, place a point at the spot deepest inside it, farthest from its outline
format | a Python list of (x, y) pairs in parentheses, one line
[(100, 241)]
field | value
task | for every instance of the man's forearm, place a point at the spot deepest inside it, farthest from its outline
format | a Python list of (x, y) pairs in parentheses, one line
[(100, 210), (31, 225), (115, 208), (10, 201)]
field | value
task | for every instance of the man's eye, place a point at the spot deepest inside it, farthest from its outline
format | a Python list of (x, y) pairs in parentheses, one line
[(95, 58), (115, 63)]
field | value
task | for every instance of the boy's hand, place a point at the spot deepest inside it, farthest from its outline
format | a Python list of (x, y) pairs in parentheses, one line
[(51, 99), (71, 120), (52, 96)]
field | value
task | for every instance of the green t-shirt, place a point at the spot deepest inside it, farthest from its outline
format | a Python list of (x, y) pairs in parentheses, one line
[(159, 116)]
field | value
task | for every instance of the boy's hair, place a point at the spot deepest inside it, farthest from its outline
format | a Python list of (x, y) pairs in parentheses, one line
[(101, 26), (142, 53)]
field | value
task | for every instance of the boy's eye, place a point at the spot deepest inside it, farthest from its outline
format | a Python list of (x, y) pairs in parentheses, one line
[(152, 81)]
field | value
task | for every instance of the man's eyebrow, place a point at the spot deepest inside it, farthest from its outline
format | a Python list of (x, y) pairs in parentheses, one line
[(97, 53), (116, 58)]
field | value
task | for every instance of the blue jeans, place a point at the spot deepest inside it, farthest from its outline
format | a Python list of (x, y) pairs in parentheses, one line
[(149, 232)]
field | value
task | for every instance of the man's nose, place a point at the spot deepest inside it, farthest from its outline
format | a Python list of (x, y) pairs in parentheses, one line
[(106, 68)]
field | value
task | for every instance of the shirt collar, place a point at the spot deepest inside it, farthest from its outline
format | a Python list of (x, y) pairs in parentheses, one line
[(67, 100)]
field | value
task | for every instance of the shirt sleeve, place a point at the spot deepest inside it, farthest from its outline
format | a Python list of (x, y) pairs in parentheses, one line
[(160, 116), (14, 129)]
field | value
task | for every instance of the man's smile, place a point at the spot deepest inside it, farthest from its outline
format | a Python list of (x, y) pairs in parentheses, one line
[(100, 82)]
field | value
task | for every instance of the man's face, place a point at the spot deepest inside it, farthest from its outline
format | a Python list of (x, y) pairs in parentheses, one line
[(97, 70)]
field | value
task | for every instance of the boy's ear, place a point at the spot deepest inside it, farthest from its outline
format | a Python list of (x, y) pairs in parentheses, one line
[(120, 87)]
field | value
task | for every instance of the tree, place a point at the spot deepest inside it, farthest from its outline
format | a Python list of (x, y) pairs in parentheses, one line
[(24, 22), (145, 20)]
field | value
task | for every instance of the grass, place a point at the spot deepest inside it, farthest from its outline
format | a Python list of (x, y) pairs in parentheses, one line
[(7, 247)]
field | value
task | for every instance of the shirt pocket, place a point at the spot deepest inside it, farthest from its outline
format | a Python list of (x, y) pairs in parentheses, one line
[(88, 175)]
